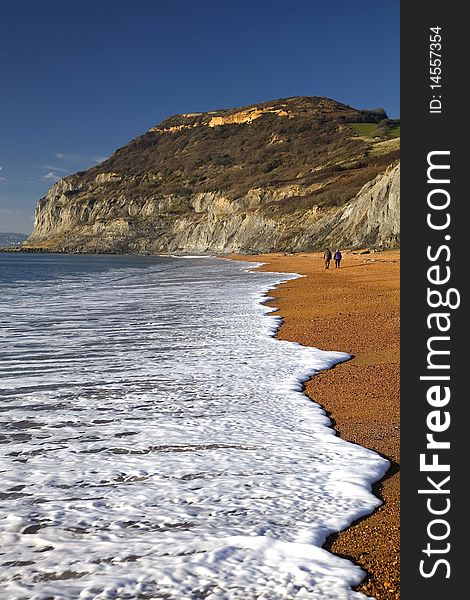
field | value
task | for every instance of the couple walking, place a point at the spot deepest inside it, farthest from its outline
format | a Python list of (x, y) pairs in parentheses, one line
[(327, 256)]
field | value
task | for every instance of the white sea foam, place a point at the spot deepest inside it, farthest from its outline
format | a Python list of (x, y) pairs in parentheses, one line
[(157, 443), (191, 256)]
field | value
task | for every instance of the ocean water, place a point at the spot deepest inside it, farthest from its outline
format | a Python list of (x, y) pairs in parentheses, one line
[(155, 439)]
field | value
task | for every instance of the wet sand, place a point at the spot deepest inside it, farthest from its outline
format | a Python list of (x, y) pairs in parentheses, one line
[(354, 309)]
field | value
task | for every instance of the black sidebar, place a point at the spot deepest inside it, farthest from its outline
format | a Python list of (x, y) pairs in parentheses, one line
[(435, 231)]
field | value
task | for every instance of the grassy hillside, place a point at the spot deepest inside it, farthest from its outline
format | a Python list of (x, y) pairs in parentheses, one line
[(307, 141), (385, 130)]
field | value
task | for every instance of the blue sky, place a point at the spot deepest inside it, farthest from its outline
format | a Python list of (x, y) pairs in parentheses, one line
[(79, 79)]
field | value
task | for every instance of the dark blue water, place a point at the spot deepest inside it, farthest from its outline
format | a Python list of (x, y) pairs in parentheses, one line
[(22, 267)]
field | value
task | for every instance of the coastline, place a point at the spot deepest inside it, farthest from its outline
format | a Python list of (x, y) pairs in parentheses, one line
[(354, 309)]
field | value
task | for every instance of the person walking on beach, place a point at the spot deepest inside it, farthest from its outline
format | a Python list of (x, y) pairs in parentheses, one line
[(327, 257), (338, 258)]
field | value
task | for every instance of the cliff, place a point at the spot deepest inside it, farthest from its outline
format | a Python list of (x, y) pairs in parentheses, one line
[(287, 175)]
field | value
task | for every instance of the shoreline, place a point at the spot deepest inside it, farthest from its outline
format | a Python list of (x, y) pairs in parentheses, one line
[(354, 309)]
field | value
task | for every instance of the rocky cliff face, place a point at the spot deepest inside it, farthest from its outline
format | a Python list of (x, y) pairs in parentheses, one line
[(289, 175), (371, 219)]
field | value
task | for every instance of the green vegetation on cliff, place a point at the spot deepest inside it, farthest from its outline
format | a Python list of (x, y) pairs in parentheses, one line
[(315, 142)]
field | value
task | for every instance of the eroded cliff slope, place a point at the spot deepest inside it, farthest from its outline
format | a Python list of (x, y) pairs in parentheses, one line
[(287, 175)]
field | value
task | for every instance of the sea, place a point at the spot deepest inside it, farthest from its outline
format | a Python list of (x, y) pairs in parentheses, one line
[(155, 439)]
